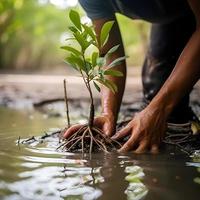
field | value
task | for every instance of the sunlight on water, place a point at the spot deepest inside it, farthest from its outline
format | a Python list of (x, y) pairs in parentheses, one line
[(38, 171)]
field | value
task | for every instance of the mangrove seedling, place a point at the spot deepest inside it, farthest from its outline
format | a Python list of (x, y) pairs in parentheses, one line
[(93, 71)]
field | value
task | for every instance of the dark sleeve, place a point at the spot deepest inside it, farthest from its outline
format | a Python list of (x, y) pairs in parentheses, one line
[(98, 9)]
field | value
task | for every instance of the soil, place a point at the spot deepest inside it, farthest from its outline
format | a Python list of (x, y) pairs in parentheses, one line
[(38, 91)]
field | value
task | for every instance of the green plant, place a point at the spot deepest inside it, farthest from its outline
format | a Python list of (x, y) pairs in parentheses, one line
[(91, 68)]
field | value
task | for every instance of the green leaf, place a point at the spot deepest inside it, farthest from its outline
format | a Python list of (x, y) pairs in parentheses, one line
[(94, 58), (73, 29), (101, 74), (113, 72), (96, 86), (75, 62), (72, 50), (101, 61), (71, 38), (109, 84), (81, 40), (113, 49), (75, 18), (105, 32), (70, 61), (117, 61), (90, 31), (84, 35), (88, 66)]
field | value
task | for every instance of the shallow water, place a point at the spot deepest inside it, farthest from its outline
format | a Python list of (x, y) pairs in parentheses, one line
[(39, 172)]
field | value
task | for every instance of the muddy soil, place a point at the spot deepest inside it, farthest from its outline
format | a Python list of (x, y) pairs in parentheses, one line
[(45, 93)]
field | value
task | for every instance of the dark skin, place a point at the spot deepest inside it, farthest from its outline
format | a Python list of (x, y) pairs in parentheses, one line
[(147, 128)]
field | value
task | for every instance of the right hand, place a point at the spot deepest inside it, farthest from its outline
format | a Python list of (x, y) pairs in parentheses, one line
[(104, 122)]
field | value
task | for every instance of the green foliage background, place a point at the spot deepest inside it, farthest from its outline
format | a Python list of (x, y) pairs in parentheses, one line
[(31, 32)]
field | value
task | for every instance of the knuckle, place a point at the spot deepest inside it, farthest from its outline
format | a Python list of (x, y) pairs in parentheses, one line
[(129, 145)]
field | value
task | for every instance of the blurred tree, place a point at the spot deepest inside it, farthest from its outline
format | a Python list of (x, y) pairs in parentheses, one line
[(31, 32)]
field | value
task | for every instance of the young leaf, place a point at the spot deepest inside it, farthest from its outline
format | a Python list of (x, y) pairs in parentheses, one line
[(113, 72), (101, 61), (70, 38), (105, 32), (90, 32), (96, 86), (75, 62), (109, 84), (88, 66), (70, 61), (117, 61), (79, 62), (94, 58), (113, 49), (72, 50), (72, 29), (75, 18), (81, 40)]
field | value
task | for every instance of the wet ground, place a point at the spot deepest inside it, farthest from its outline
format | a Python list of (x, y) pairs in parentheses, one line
[(40, 172)]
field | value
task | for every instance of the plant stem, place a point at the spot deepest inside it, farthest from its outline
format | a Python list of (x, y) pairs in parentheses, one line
[(66, 103), (87, 83), (91, 116)]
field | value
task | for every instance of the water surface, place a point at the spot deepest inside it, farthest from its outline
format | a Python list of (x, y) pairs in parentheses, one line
[(40, 172)]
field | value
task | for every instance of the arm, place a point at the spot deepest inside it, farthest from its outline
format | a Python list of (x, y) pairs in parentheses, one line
[(111, 102), (148, 127), (186, 72)]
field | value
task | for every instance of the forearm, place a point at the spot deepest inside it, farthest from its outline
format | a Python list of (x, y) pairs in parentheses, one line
[(111, 102), (183, 77)]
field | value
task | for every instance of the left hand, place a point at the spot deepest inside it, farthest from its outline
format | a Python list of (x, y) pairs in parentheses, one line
[(147, 130)]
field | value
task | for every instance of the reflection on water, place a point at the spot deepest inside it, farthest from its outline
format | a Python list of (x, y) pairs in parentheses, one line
[(39, 172), (197, 179), (136, 189)]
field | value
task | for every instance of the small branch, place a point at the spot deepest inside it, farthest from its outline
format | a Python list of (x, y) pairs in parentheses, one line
[(18, 141), (66, 103), (91, 115), (46, 101)]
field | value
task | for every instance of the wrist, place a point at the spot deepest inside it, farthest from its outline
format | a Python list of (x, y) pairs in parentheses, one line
[(163, 105), (112, 117)]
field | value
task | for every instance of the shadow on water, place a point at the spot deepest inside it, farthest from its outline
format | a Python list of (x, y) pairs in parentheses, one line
[(38, 171)]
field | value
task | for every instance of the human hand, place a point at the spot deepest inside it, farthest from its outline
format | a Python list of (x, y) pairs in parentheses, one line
[(147, 130), (104, 122)]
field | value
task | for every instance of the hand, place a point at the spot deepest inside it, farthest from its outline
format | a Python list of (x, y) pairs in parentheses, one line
[(146, 129), (104, 122)]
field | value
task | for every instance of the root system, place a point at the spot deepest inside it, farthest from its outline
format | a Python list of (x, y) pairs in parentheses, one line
[(89, 139)]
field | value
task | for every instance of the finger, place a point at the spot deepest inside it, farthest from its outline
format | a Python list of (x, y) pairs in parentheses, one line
[(128, 145), (122, 133), (70, 131), (99, 121), (154, 149), (142, 148), (108, 129)]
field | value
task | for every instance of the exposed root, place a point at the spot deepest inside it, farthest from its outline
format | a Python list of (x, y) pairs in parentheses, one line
[(89, 139)]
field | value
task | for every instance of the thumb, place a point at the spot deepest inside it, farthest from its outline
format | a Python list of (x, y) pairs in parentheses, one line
[(108, 129)]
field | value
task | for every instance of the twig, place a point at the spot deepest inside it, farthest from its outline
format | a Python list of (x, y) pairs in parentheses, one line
[(66, 103), (46, 101), (18, 141), (29, 139), (91, 141)]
